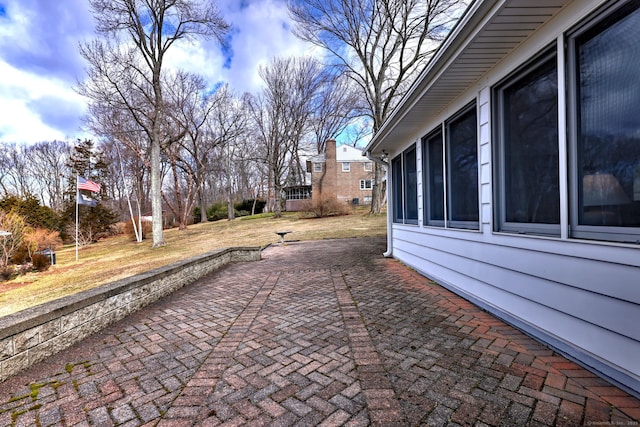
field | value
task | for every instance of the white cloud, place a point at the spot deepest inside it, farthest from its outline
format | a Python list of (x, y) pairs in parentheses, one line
[(261, 30), (36, 108), (40, 63)]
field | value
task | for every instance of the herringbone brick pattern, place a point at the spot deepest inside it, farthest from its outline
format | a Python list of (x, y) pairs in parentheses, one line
[(318, 333)]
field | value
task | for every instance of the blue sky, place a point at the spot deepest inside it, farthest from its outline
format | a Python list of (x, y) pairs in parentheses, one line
[(40, 64)]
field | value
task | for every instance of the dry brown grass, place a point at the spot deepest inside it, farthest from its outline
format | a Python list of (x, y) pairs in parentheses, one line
[(119, 257)]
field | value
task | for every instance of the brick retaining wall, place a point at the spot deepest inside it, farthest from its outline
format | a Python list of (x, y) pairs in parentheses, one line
[(31, 335)]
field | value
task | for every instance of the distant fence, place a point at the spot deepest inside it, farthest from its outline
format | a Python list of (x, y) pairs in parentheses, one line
[(31, 335)]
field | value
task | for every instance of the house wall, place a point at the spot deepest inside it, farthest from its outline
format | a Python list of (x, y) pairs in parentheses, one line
[(335, 184), (581, 297)]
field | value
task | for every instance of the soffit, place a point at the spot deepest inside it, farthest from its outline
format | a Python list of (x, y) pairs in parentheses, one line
[(486, 34)]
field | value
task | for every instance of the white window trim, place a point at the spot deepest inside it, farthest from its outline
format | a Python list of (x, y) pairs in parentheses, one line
[(363, 184), (346, 166)]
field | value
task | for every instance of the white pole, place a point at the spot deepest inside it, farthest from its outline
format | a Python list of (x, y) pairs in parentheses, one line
[(77, 193)]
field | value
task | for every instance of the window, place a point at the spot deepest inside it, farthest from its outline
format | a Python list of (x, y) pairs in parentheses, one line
[(527, 159), (368, 167), (450, 172), (317, 167), (405, 187), (298, 193), (604, 138), (433, 179), (346, 167), (366, 184), (396, 182), (462, 169)]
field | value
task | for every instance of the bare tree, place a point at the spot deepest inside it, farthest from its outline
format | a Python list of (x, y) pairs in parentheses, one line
[(15, 229), (14, 171), (381, 44), (282, 116), (193, 108), (334, 108), (228, 126), (49, 171), (138, 34)]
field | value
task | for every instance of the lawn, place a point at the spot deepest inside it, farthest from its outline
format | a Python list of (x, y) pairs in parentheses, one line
[(118, 257)]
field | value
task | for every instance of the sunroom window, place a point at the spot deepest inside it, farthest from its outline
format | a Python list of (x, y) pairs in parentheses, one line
[(462, 169), (604, 87), (433, 179), (527, 172), (405, 187)]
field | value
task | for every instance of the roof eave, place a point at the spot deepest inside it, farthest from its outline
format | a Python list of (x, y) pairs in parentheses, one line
[(457, 64)]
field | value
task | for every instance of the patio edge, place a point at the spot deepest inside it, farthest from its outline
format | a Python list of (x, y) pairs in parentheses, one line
[(29, 336)]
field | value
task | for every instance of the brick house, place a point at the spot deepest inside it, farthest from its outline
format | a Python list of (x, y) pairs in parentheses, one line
[(342, 173)]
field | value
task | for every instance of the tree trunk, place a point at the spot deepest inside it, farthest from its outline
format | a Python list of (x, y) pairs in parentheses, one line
[(231, 212), (277, 197), (156, 197), (378, 190), (203, 205)]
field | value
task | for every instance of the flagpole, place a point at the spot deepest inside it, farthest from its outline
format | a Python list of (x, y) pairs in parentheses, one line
[(77, 193)]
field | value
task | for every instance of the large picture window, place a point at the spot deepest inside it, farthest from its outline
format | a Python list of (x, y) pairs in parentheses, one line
[(527, 163), (604, 86), (405, 187), (462, 169), (433, 179)]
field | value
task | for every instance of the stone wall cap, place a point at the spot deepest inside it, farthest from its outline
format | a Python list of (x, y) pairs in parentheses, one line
[(40, 314)]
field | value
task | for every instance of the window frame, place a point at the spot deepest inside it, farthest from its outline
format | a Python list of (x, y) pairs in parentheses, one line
[(368, 166), (346, 166), (450, 223), (427, 178), (363, 184), (405, 179), (397, 195), (603, 17), (399, 175), (524, 71), (317, 167)]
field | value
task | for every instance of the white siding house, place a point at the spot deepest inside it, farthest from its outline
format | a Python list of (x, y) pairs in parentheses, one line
[(514, 173)]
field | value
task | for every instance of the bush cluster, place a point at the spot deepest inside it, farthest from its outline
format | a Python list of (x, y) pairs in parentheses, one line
[(220, 210), (325, 206), (127, 228)]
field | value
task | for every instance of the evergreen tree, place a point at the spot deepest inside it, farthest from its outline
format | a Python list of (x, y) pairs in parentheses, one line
[(87, 161), (34, 214)]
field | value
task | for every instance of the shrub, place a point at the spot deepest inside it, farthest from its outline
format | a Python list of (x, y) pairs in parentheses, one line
[(247, 205), (217, 211), (6, 272), (40, 262), (117, 229), (324, 206), (146, 229), (21, 255)]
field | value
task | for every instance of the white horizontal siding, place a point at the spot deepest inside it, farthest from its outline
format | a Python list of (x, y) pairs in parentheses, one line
[(612, 279)]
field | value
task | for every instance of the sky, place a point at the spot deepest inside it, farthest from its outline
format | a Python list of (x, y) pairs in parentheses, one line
[(40, 64)]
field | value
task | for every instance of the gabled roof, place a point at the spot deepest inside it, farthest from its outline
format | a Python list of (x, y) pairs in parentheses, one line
[(347, 153), (487, 32), (344, 153)]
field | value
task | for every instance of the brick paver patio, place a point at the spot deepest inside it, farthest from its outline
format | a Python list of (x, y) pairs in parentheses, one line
[(317, 333)]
